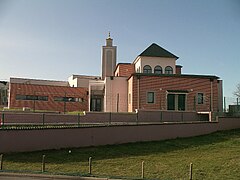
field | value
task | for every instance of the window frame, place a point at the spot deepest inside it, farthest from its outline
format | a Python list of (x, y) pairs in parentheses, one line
[(68, 99), (160, 69), (129, 98), (147, 71), (200, 101), (150, 100), (23, 97), (168, 69)]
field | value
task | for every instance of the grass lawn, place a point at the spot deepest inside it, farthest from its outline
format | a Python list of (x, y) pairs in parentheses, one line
[(214, 156)]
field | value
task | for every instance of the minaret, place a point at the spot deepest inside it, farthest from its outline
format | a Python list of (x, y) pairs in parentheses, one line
[(109, 56)]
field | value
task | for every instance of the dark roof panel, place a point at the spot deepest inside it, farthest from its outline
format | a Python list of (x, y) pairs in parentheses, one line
[(156, 51)]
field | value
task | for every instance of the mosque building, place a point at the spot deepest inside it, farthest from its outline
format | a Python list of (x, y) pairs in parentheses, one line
[(153, 81)]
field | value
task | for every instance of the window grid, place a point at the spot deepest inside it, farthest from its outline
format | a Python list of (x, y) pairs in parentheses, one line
[(158, 70), (147, 69), (150, 97), (168, 70), (200, 98)]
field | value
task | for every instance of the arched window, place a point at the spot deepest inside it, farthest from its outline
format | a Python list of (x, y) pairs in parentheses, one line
[(147, 69), (158, 70), (168, 70)]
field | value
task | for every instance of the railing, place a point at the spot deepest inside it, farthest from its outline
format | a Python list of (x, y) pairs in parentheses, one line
[(52, 120)]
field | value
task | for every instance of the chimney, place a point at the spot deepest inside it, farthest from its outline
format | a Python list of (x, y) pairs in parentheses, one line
[(178, 69)]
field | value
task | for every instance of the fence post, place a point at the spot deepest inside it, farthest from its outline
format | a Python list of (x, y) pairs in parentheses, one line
[(190, 171), (161, 116), (143, 170), (110, 118), (78, 118), (182, 116), (224, 102), (43, 119), (136, 116), (1, 162), (117, 101), (2, 120), (90, 165), (43, 163), (194, 103)]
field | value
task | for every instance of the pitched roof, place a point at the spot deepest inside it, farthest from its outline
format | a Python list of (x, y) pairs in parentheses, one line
[(155, 50)]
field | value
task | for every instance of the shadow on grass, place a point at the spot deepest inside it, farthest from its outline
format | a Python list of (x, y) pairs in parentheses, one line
[(121, 151)]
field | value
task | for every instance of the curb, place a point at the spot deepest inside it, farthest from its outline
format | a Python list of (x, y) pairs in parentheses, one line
[(15, 175)]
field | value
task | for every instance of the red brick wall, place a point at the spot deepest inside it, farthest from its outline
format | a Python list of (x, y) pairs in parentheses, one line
[(178, 69), (160, 85), (51, 92), (124, 70)]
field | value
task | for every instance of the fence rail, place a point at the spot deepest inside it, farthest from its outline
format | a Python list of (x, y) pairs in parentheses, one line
[(228, 101), (11, 119)]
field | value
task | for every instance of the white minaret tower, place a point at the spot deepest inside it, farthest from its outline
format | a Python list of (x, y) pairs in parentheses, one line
[(109, 56)]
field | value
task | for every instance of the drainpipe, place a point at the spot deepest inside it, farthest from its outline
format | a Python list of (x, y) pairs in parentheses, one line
[(117, 102), (211, 101), (211, 96), (138, 98)]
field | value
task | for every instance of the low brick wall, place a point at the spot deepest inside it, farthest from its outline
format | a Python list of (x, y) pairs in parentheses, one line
[(32, 140)]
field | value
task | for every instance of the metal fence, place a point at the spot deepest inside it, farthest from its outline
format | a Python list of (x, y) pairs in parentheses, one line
[(51, 120), (230, 101)]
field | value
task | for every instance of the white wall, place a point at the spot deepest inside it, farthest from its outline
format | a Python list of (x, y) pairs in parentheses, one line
[(141, 61), (72, 81), (137, 63), (118, 85), (81, 80), (130, 94), (38, 82), (108, 62)]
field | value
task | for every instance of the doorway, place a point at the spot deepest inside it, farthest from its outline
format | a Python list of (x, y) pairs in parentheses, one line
[(96, 104), (176, 102)]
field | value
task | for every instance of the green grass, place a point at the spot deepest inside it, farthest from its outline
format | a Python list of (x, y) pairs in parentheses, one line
[(214, 156)]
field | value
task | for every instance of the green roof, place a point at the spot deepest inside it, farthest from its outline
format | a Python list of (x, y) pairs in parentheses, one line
[(156, 51)]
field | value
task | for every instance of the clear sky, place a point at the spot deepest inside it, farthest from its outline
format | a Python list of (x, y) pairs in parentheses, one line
[(53, 39)]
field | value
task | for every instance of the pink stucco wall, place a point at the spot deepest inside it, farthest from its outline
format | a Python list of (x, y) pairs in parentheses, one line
[(32, 140)]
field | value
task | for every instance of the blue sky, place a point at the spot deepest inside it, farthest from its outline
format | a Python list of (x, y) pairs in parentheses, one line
[(53, 39)]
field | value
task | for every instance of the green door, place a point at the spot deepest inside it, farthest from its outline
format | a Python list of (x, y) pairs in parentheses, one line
[(96, 104), (181, 102), (171, 102)]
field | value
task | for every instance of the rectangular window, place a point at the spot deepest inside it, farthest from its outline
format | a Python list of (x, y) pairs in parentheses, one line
[(31, 97), (68, 99), (21, 97), (200, 98), (129, 98), (42, 98), (58, 99), (150, 97)]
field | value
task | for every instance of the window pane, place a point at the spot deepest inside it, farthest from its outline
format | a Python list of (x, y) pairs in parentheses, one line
[(20, 97), (171, 102), (168, 70), (42, 98), (68, 99), (58, 98), (31, 97), (200, 98), (150, 97), (147, 69), (158, 70)]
